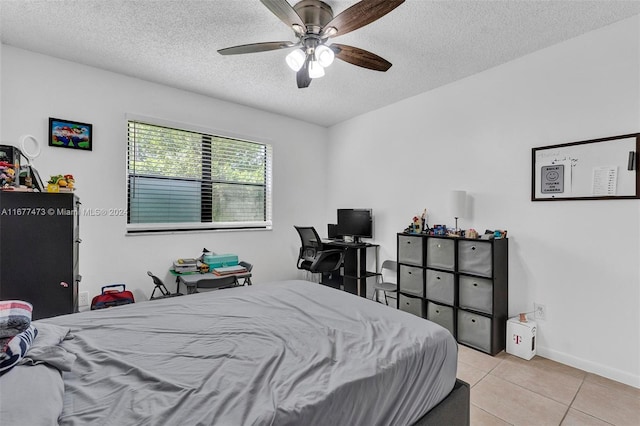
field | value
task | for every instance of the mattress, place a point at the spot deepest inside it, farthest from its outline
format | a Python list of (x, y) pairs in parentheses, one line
[(282, 353)]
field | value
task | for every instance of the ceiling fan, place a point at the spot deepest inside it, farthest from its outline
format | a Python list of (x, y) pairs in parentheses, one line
[(313, 23)]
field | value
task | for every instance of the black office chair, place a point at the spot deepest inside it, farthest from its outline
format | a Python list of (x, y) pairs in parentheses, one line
[(312, 256)]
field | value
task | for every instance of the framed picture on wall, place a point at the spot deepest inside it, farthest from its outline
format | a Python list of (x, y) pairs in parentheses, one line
[(70, 134), (596, 169)]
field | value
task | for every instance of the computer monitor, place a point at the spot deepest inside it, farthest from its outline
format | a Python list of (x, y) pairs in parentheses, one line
[(332, 231), (357, 223)]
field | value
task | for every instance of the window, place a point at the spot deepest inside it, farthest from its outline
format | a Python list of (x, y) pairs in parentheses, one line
[(184, 180)]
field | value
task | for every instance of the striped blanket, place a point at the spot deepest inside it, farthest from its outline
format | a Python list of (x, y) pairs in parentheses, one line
[(16, 332)]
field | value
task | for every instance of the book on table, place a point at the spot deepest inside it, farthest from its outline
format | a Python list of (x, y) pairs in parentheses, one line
[(229, 270)]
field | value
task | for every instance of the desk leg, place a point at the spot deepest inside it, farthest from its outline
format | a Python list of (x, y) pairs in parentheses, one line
[(355, 271), (350, 280), (190, 290), (362, 272)]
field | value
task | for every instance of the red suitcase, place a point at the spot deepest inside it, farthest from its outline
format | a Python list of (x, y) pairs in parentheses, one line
[(110, 298)]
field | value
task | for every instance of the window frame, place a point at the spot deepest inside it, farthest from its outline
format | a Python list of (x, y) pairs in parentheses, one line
[(192, 227)]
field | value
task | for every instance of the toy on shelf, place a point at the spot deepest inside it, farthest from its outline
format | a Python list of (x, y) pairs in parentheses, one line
[(7, 174), (425, 226), (61, 183), (418, 224)]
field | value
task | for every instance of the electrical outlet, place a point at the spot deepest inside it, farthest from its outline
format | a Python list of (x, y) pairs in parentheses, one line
[(540, 311), (83, 298)]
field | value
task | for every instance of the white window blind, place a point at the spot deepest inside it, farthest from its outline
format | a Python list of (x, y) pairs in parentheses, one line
[(183, 180)]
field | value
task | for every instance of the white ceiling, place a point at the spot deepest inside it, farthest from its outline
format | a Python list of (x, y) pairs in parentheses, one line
[(430, 43)]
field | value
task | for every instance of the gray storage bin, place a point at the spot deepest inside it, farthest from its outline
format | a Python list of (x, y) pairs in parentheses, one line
[(410, 250), (413, 305), (440, 286), (442, 315), (441, 253), (475, 293), (474, 330), (412, 280), (474, 257)]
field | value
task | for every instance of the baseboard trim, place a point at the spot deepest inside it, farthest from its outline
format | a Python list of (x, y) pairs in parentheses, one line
[(589, 366)]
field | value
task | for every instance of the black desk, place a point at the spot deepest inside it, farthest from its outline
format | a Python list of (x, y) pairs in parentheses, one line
[(355, 274)]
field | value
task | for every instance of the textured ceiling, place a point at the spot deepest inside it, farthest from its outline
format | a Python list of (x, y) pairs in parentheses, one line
[(430, 43)]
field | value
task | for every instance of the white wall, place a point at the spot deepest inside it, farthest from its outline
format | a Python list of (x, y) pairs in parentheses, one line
[(579, 258), (36, 87)]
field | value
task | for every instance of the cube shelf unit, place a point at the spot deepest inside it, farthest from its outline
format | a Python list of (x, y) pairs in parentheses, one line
[(459, 283)]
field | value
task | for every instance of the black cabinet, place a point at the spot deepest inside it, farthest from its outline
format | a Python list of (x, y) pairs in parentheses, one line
[(461, 284), (39, 242)]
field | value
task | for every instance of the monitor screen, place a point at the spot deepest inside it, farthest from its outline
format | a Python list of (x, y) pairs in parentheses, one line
[(332, 231), (355, 222)]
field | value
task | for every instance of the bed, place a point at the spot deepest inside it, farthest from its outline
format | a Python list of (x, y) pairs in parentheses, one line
[(282, 353)]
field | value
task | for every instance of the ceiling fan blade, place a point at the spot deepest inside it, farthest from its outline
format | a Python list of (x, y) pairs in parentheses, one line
[(302, 77), (358, 15), (257, 47), (360, 57), (283, 10)]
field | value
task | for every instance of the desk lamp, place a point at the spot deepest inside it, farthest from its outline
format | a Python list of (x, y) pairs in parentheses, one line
[(458, 205)]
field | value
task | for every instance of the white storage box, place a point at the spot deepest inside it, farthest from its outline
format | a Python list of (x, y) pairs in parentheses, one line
[(412, 279), (410, 250), (441, 253), (521, 338), (475, 293), (442, 315), (185, 265), (413, 305), (440, 286), (475, 257), (475, 330)]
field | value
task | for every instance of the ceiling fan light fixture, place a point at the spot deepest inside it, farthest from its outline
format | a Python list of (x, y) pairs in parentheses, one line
[(329, 32), (325, 55), (315, 69), (295, 59), (298, 29), (313, 23)]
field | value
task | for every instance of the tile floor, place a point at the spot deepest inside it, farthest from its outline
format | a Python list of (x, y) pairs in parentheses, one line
[(507, 390)]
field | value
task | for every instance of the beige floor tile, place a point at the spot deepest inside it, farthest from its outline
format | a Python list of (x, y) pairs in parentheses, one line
[(515, 404), (578, 418), (603, 381), (549, 365), (478, 359), (469, 374), (608, 404), (479, 417), (551, 383)]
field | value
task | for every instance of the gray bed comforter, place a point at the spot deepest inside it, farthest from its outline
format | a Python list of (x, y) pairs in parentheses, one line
[(284, 353)]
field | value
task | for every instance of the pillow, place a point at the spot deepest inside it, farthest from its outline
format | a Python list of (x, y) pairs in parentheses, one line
[(16, 349)]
